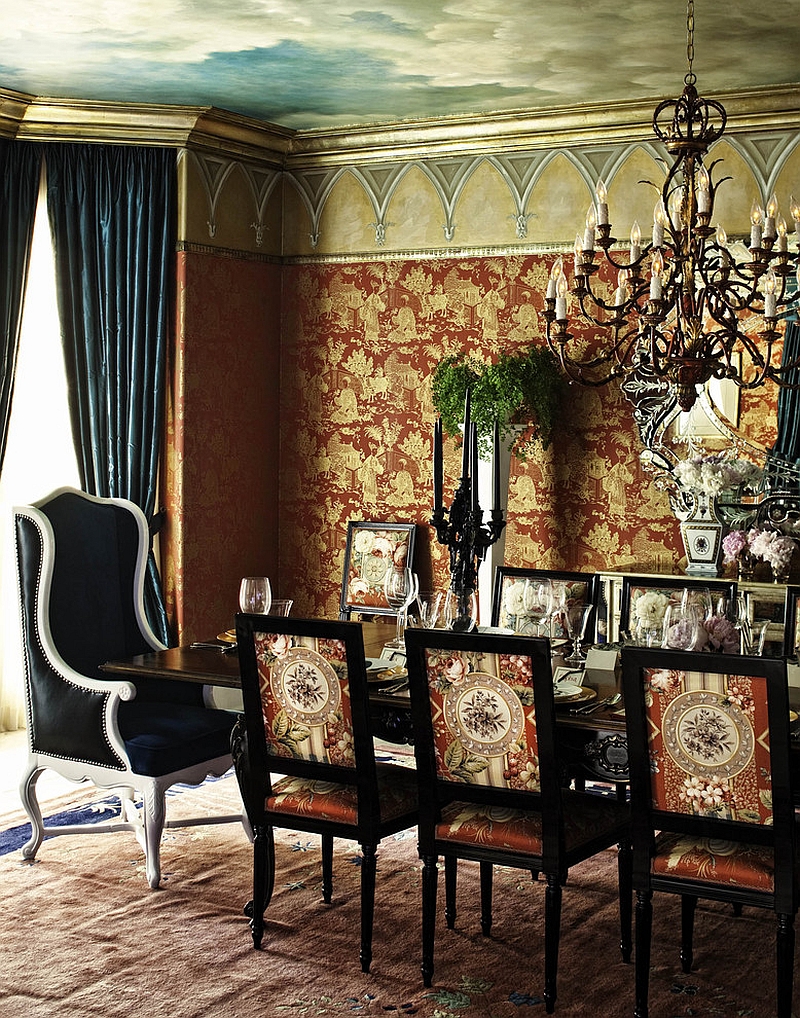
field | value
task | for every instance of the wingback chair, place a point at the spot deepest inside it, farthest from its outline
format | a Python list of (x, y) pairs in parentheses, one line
[(304, 753), (490, 782), (711, 798), (81, 563)]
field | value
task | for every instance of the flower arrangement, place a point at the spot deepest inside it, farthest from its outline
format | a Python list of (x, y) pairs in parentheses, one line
[(714, 473), (770, 545)]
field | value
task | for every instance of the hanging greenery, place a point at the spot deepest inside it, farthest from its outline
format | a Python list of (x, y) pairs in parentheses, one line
[(522, 391)]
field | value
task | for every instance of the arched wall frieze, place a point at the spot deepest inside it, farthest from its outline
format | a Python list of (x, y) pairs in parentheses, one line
[(765, 154), (262, 183), (314, 186), (213, 171)]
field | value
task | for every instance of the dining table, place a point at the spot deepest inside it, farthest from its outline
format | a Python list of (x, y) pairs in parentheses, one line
[(591, 728)]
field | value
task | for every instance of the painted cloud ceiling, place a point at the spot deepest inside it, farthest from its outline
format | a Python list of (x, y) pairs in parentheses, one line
[(326, 63)]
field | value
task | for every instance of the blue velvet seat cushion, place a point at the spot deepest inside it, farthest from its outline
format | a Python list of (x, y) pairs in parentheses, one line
[(165, 737)]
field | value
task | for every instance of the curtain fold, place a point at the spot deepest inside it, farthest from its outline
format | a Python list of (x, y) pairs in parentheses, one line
[(787, 442), (112, 212), (20, 165)]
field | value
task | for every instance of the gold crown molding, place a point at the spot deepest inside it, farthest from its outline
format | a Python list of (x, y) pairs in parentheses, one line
[(228, 253), (772, 108), (12, 110), (201, 128), (428, 254)]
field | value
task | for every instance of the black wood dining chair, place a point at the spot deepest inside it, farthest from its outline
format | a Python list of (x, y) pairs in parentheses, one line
[(489, 780), (711, 800), (671, 588), (303, 753), (509, 581)]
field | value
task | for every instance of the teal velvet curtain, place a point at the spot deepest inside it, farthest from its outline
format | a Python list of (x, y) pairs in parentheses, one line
[(787, 442), (20, 163), (112, 212)]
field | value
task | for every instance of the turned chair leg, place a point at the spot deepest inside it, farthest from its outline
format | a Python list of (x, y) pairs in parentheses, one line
[(450, 880), (368, 867), (263, 880), (486, 898), (625, 882), (552, 936), (688, 906), (644, 924), (785, 963), (430, 876), (327, 868)]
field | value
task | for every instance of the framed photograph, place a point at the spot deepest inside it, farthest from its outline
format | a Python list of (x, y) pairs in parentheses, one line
[(372, 549)]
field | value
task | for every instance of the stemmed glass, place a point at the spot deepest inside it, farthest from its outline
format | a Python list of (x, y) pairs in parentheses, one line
[(401, 587), (537, 600), (460, 611), (255, 595), (430, 605), (681, 626), (576, 618)]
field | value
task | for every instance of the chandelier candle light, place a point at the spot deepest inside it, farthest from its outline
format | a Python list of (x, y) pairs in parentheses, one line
[(680, 301), (461, 527)]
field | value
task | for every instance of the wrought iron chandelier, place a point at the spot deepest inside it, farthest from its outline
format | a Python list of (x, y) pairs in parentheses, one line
[(684, 303)]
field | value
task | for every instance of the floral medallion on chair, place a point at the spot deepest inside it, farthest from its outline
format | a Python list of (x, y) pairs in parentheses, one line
[(709, 745)]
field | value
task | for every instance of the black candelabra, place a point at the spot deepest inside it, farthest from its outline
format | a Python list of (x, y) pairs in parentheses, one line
[(461, 527)]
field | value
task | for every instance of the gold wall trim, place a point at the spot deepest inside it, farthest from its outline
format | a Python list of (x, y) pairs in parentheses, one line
[(428, 254), (226, 252)]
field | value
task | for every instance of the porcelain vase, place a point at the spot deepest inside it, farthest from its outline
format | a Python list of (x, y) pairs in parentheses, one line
[(702, 530)]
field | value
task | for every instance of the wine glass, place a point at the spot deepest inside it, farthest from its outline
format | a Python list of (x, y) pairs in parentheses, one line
[(681, 626), (430, 606), (701, 598), (401, 586), (537, 600), (460, 611), (576, 618), (255, 595)]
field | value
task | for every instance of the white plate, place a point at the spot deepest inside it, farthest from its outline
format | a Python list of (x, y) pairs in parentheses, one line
[(567, 691), (379, 664)]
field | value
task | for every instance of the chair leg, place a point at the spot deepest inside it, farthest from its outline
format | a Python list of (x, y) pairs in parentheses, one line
[(785, 960), (688, 906), (450, 880), (154, 813), (552, 936), (430, 875), (486, 898), (327, 868), (27, 792), (368, 867), (644, 924), (625, 881), (263, 880)]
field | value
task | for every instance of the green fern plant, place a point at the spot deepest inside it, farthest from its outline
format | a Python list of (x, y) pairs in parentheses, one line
[(522, 391)]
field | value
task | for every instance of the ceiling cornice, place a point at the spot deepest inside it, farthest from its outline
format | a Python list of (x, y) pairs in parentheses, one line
[(774, 108), (203, 128), (208, 129)]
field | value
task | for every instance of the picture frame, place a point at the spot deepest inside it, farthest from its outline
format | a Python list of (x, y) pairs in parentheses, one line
[(372, 547)]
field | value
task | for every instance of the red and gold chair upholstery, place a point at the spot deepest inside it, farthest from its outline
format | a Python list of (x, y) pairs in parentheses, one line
[(306, 719), (490, 780), (644, 599), (711, 797)]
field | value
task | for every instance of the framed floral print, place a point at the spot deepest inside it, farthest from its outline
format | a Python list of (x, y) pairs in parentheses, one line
[(372, 549)]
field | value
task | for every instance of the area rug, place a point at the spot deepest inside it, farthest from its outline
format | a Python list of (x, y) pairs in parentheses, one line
[(82, 936)]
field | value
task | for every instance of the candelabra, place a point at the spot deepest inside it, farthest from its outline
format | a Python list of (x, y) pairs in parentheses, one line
[(689, 321), (461, 527)]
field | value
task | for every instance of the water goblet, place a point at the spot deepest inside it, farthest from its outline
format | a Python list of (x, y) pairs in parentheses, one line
[(460, 611), (255, 595), (430, 606), (537, 599), (681, 626), (401, 587), (576, 618)]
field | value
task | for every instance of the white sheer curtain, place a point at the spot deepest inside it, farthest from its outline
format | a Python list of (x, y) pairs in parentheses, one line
[(40, 455)]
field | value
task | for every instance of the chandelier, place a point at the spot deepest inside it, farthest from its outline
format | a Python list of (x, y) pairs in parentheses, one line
[(686, 307)]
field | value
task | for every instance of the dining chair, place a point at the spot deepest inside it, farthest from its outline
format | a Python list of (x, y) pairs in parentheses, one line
[(81, 563), (490, 791), (509, 609), (791, 630), (711, 799), (304, 756), (666, 588)]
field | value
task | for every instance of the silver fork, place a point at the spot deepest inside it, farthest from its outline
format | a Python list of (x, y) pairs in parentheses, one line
[(590, 708)]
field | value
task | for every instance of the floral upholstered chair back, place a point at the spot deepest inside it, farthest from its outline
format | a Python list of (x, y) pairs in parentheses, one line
[(709, 744), (484, 718), (644, 611), (305, 698)]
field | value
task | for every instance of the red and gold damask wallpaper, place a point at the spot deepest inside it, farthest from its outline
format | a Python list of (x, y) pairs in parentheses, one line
[(359, 345), (355, 348)]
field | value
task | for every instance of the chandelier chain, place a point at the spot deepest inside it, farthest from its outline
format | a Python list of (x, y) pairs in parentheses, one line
[(690, 78)]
